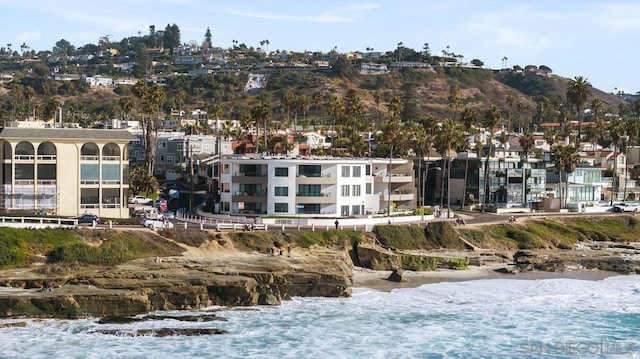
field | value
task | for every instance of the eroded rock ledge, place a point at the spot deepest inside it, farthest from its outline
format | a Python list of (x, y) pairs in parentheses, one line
[(176, 283)]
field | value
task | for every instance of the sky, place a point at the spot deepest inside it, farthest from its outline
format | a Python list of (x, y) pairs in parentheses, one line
[(596, 39)]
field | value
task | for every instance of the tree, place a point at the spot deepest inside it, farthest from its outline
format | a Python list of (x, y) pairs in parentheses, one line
[(141, 181), (207, 38), (28, 93), (476, 62), (392, 135), (317, 99), (469, 119), (527, 142), (261, 113), (454, 97), (492, 117), (565, 159), (336, 111), (126, 106), (617, 133), (449, 138), (578, 91)]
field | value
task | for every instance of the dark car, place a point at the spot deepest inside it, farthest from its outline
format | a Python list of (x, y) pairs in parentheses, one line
[(88, 218)]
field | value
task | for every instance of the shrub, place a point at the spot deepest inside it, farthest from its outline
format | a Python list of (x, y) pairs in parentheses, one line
[(401, 237), (442, 235)]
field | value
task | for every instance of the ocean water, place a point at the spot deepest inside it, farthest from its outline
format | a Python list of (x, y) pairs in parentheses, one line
[(491, 318)]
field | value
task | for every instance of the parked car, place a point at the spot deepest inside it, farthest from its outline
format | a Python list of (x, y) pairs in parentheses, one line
[(155, 223), (88, 218), (139, 200), (626, 207)]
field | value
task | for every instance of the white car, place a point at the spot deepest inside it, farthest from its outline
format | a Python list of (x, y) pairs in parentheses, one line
[(156, 223), (139, 200), (626, 207)]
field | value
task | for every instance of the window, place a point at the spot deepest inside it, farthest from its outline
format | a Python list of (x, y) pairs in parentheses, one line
[(345, 190), (282, 192), (226, 187), (179, 147), (344, 211), (368, 170), (225, 206), (356, 190), (162, 144), (345, 171), (309, 190), (282, 207), (355, 210), (310, 171), (169, 158), (357, 171), (367, 188), (282, 172)]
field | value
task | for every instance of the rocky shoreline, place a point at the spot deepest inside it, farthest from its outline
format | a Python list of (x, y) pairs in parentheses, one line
[(175, 283), (201, 279)]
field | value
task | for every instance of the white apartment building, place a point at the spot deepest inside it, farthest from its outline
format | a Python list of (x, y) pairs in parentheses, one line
[(315, 186)]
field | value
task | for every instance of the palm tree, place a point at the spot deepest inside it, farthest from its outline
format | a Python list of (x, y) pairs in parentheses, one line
[(287, 100), (578, 91), (527, 142), (469, 119), (261, 113), (377, 98), (126, 106), (565, 159), (392, 135), (617, 133), (449, 138), (420, 142), (633, 131), (28, 93), (492, 117), (395, 107), (336, 110), (316, 98)]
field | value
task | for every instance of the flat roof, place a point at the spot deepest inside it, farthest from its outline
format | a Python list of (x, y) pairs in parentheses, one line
[(65, 134)]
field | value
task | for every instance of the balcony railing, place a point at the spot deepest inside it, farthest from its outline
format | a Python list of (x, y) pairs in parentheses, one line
[(111, 158), (89, 158), (47, 157), (251, 194), (24, 157), (318, 194), (242, 174)]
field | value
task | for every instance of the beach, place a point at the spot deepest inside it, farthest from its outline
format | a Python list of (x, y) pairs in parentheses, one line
[(377, 280)]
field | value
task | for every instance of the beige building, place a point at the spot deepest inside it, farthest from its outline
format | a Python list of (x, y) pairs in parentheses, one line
[(65, 171)]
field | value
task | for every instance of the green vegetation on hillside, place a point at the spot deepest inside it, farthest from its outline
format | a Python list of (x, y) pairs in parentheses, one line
[(21, 247)]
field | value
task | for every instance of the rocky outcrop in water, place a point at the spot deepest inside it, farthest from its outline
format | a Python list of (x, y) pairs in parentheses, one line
[(239, 279)]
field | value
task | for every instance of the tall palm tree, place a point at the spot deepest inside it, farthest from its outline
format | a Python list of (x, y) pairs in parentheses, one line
[(261, 113), (336, 110), (392, 135), (395, 107), (317, 99), (565, 159), (617, 134), (287, 100), (469, 119), (126, 106), (420, 142), (578, 92), (28, 93), (492, 117), (449, 138), (632, 127), (527, 142)]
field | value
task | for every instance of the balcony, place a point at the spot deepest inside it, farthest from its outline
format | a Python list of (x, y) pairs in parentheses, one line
[(256, 196), (324, 179), (394, 178), (240, 177), (322, 198)]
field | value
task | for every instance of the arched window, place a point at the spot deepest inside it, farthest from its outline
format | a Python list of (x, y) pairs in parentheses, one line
[(111, 152), (24, 151), (7, 150), (90, 151), (47, 151)]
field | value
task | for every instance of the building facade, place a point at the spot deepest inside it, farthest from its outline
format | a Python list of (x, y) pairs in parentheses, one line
[(315, 186), (65, 171)]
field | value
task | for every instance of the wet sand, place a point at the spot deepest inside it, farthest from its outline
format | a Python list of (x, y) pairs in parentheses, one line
[(378, 279)]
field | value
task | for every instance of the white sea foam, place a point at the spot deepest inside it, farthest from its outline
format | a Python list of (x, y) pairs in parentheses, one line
[(473, 319)]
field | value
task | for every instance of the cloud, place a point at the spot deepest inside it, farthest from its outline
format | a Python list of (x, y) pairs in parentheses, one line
[(343, 14)]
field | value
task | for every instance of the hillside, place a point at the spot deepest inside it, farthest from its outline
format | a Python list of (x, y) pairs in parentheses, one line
[(424, 92)]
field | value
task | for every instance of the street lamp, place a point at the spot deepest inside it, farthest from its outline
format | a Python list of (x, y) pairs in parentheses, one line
[(424, 181)]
